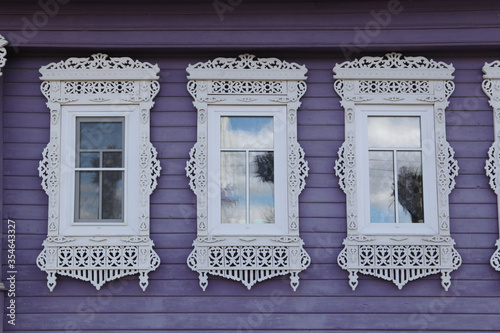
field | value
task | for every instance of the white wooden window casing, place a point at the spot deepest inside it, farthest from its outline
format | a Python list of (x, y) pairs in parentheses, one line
[(102, 88), (251, 87), (3, 53), (491, 87), (392, 86)]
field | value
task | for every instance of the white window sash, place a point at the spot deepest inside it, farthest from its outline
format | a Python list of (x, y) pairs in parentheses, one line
[(280, 227), (425, 114), (130, 225)]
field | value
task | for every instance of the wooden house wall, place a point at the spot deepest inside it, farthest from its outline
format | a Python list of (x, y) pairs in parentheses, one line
[(176, 34)]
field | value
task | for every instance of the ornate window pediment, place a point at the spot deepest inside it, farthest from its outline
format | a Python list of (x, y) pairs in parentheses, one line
[(491, 87), (3, 53), (99, 169), (247, 214), (396, 168)]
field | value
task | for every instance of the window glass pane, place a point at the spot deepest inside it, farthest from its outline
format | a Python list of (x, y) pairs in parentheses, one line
[(393, 132), (112, 195), (247, 132), (261, 187), (233, 187), (88, 205), (112, 159), (100, 135), (381, 187), (89, 160), (410, 187)]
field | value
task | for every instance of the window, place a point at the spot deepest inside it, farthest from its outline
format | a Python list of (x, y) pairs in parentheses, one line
[(491, 83), (396, 168), (247, 149), (247, 170), (399, 170), (247, 214), (99, 169)]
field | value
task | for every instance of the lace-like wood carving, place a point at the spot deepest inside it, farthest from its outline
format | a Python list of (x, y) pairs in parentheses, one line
[(93, 81), (3, 53), (491, 87), (396, 80), (247, 80)]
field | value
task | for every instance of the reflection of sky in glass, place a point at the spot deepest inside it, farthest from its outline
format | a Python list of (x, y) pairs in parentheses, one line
[(247, 134), (392, 135), (381, 187), (100, 135), (233, 187), (393, 132)]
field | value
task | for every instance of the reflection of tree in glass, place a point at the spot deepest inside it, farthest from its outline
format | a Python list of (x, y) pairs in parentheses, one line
[(265, 166), (265, 171), (410, 192), (268, 214)]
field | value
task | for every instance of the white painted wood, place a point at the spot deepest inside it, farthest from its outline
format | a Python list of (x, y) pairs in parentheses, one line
[(491, 87), (396, 85), (247, 86), (3, 53), (99, 87)]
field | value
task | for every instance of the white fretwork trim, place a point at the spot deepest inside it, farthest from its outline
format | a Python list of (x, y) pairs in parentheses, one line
[(95, 81), (247, 80), (396, 80), (394, 66), (399, 263), (249, 264), (495, 258), (247, 61), (98, 264), (491, 87), (3, 53)]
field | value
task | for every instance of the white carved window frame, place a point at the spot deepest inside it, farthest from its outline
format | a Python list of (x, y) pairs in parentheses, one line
[(99, 86), (491, 87), (412, 251), (3, 53), (243, 83)]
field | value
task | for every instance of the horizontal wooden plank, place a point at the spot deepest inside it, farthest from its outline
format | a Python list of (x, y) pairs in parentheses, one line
[(63, 305)]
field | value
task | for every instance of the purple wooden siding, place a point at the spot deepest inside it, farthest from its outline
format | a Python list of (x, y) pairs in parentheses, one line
[(324, 302)]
